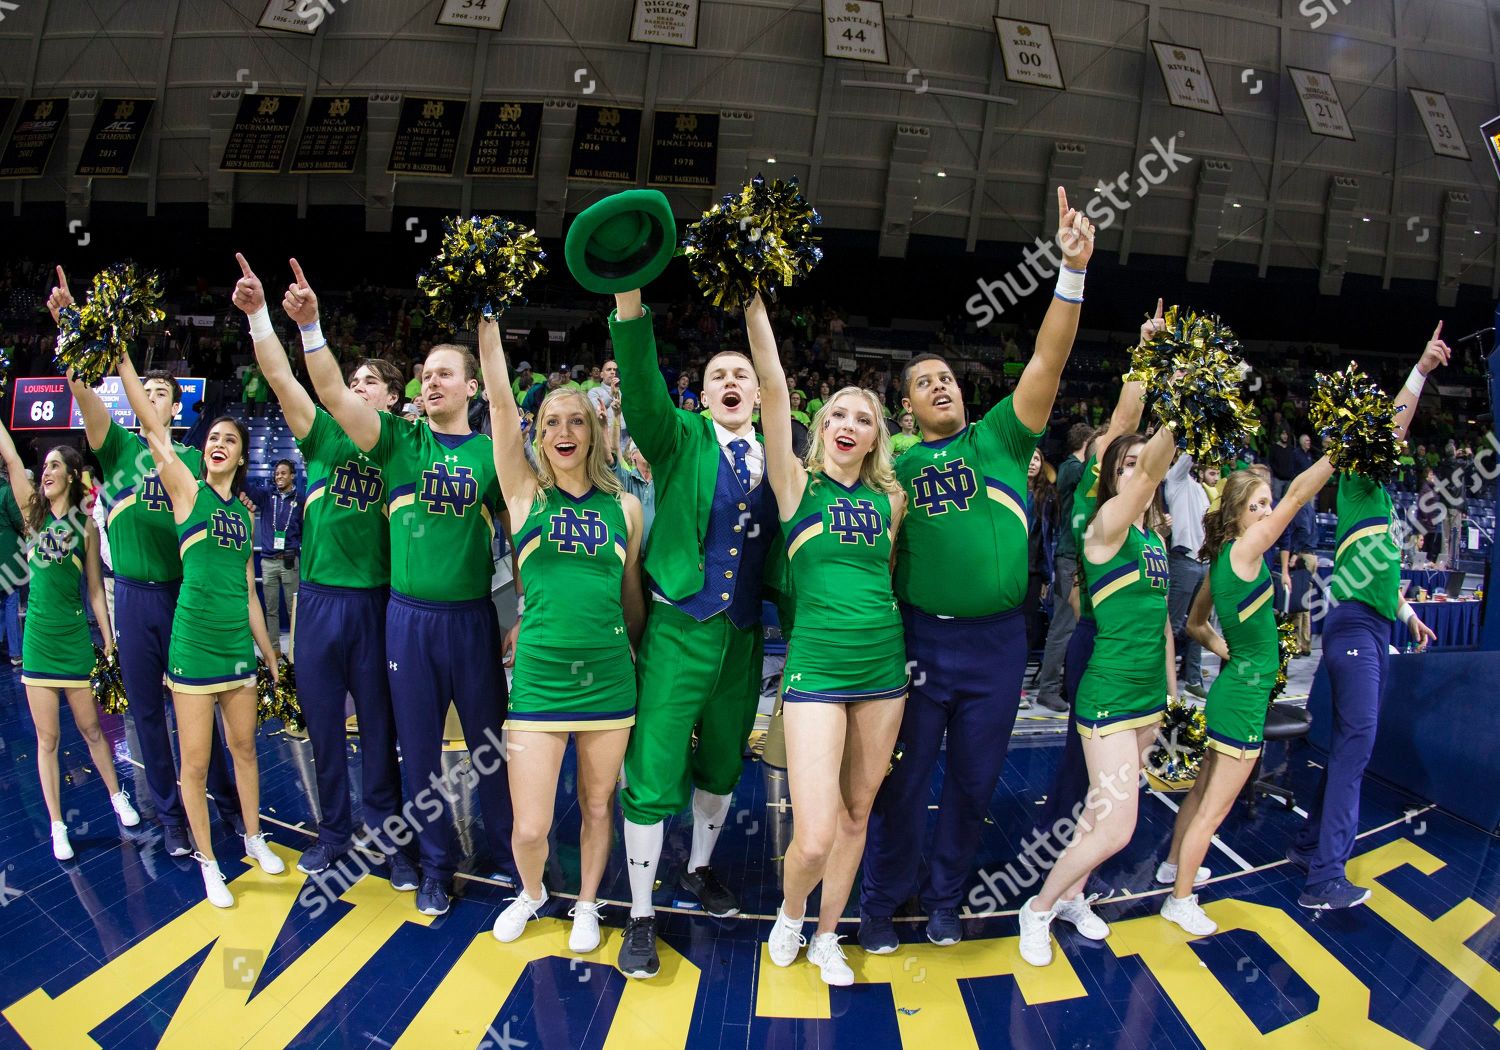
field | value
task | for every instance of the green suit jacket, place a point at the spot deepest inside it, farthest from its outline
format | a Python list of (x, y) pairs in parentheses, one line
[(684, 454)]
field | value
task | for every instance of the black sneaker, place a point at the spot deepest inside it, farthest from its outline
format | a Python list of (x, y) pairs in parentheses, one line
[(1297, 859), (1333, 894), (432, 898), (638, 948), (176, 840), (317, 858), (877, 934), (235, 822), (943, 927), (404, 877), (1053, 703), (713, 894)]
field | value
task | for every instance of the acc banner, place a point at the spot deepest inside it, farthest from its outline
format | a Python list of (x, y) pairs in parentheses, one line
[(1442, 129), (330, 139), (673, 22), (505, 140), (427, 136), (1320, 103), (854, 29), (474, 14), (606, 144), (111, 145), (684, 149), (1029, 54), (1186, 76), (30, 144), (262, 128)]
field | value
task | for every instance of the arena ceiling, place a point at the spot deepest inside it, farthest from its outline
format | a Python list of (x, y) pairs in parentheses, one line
[(935, 141)]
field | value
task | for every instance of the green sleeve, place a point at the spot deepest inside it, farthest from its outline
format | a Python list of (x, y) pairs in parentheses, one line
[(114, 448), (311, 443), (393, 429), (1001, 423), (656, 425)]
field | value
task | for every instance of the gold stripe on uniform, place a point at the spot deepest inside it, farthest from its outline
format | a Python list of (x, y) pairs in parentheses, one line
[(1008, 502), (406, 499), (312, 497), (525, 552), (1140, 721), (118, 507), (1232, 751), (807, 534), (583, 726), (1265, 596), (187, 544), (1359, 534), (1115, 585), (205, 690)]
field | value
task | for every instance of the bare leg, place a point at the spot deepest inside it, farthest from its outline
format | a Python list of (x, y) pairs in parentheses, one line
[(1190, 806), (44, 714), (195, 721), (600, 755), (86, 716), (535, 761), (814, 757), (239, 733), (1224, 779)]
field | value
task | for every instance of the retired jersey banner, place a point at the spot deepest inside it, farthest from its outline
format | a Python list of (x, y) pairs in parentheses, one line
[(110, 148), (330, 139), (30, 144), (295, 16), (427, 136), (684, 149), (606, 144), (854, 29), (1029, 54), (1442, 129), (1186, 76), (505, 140), (262, 129), (473, 14), (671, 22), (1320, 103)]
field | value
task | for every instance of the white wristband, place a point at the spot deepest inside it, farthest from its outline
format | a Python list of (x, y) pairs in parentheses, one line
[(1416, 381), (260, 325), (1069, 285), (312, 337), (520, 605), (1407, 614)]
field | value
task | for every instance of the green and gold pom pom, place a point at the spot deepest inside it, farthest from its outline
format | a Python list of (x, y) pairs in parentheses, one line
[(122, 303), (756, 241), (1193, 373), (1286, 648), (1357, 423), (480, 272), (106, 682), (1181, 741), (277, 699)]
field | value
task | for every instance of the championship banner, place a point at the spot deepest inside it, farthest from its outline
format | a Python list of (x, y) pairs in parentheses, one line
[(1029, 54), (427, 136), (293, 16), (474, 14), (670, 22), (262, 129), (1320, 103), (1186, 76), (505, 140), (1442, 129), (854, 29), (1490, 132), (30, 144), (110, 148), (606, 144), (330, 139), (684, 149)]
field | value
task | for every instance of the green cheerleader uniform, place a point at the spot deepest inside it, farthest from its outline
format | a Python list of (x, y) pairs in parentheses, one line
[(849, 645), (573, 668), (1125, 686), (57, 651), (212, 649), (1237, 699)]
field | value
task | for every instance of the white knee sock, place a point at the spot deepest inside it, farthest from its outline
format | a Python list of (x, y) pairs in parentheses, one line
[(642, 857), (709, 814)]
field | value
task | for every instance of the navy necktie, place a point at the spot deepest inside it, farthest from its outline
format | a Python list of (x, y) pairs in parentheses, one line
[(740, 447)]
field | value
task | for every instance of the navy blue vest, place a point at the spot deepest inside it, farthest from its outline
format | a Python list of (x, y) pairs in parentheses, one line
[(741, 528)]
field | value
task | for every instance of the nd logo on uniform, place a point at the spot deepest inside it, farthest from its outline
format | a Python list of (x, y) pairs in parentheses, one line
[(153, 493), (572, 530), (53, 545), (354, 485), (938, 490), (448, 489), (854, 522), (1155, 563), (228, 530)]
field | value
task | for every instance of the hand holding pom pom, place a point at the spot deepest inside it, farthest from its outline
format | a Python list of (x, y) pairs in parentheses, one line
[(480, 271), (753, 242), (1357, 423), (121, 304)]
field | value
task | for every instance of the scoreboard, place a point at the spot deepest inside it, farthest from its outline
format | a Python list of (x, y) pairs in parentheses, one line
[(46, 403)]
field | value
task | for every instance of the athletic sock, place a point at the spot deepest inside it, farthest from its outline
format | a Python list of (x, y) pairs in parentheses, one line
[(709, 814), (642, 857)]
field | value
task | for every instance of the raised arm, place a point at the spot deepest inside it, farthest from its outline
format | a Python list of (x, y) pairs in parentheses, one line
[(359, 420), (95, 415), (1126, 418), (1262, 536), (178, 480), (296, 405), (517, 480), (1435, 353), (20, 484), (1037, 389), (1114, 518), (788, 475), (654, 422)]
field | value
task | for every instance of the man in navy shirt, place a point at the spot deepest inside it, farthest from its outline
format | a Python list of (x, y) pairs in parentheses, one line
[(278, 539)]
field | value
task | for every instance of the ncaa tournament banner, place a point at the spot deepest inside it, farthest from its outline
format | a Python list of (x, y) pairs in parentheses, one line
[(112, 142), (684, 149), (427, 136), (262, 129), (671, 22), (606, 144), (330, 139), (505, 140)]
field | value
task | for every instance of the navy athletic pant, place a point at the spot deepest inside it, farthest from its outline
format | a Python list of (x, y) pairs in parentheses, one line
[(1356, 642), (966, 682), (143, 623), (437, 652), (338, 642), (1070, 785)]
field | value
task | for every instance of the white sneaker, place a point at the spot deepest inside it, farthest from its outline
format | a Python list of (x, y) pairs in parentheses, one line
[(62, 849), (786, 939), (1036, 934), (1184, 911), (257, 850), (511, 922), (1166, 874), (825, 953), (124, 810), (213, 882), (1078, 912), (584, 937)]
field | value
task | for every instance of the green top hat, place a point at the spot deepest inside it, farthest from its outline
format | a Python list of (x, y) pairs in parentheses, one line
[(624, 241)]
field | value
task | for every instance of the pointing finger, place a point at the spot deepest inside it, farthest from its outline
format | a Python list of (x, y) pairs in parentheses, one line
[(244, 266), (297, 272)]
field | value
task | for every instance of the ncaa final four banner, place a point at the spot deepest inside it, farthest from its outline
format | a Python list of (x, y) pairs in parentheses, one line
[(262, 128), (119, 124), (684, 149)]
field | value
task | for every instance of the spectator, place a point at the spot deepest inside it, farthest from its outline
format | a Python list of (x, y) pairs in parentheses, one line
[(635, 477), (1186, 505), (278, 539), (522, 382), (255, 390), (1041, 532), (907, 436), (1064, 571), (414, 386), (1211, 478), (12, 570), (1283, 463)]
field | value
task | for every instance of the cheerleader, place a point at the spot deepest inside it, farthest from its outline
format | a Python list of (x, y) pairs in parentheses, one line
[(57, 650), (211, 660), (1123, 692), (578, 545), (846, 679)]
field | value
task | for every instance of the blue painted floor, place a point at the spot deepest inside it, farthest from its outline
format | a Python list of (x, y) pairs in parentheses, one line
[(118, 949)]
